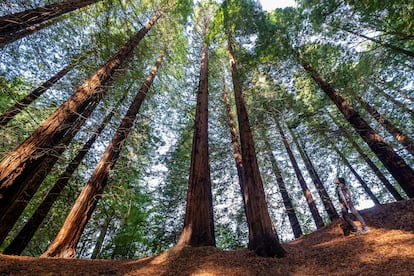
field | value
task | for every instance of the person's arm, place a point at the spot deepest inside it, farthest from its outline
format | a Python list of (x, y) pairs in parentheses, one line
[(342, 197)]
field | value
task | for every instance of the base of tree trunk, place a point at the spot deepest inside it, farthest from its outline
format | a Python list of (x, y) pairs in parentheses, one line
[(66, 253), (268, 248)]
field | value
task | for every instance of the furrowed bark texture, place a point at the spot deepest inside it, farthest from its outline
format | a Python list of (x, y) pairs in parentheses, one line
[(396, 165), (287, 202), (306, 192), (17, 165), (403, 139), (234, 141), (262, 237), (370, 163), (65, 243), (320, 188), (20, 242), (10, 113), (15, 208), (198, 222), (12, 23)]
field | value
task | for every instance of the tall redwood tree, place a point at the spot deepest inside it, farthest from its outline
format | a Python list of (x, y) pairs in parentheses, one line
[(262, 236), (16, 22), (68, 237), (198, 222), (21, 240), (306, 192), (394, 163), (25, 159)]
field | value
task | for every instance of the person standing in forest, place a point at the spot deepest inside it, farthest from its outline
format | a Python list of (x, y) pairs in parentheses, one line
[(344, 196)]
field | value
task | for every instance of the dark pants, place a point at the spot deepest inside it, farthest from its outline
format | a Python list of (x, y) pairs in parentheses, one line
[(348, 219)]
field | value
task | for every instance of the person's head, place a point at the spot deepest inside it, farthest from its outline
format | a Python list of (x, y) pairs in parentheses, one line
[(339, 180)]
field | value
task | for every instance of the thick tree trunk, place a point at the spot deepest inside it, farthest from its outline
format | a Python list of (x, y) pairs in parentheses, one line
[(68, 237), (20, 242), (323, 194), (198, 222), (306, 192), (403, 139), (287, 202), (262, 237), (396, 165), (369, 162), (234, 141), (17, 204), (10, 113), (7, 39), (16, 22), (24, 160)]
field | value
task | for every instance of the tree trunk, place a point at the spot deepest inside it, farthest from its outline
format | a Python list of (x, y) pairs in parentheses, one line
[(323, 194), (389, 85), (354, 172), (25, 158), (198, 222), (23, 103), (68, 237), (306, 192), (403, 139), (20, 242), (13, 23), (369, 162), (234, 141), (396, 165), (7, 39), (10, 214), (99, 241), (262, 237), (383, 43), (287, 202), (392, 99)]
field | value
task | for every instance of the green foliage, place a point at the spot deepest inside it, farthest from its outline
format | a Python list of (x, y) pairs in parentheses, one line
[(146, 218), (12, 91)]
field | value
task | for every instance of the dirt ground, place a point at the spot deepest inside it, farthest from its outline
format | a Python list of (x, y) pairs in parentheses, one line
[(388, 249)]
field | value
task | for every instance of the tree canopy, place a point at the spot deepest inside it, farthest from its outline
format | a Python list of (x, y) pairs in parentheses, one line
[(328, 74)]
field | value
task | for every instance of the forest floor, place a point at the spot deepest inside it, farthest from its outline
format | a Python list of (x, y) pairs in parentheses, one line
[(388, 249)]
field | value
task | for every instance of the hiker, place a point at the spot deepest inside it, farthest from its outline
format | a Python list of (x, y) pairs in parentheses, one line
[(344, 196)]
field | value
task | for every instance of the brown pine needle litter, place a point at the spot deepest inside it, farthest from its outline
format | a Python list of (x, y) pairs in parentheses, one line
[(388, 249)]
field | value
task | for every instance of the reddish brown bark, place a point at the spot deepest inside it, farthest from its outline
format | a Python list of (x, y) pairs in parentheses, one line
[(234, 140), (403, 139), (68, 237), (262, 237), (287, 202), (396, 165), (320, 188), (355, 173), (198, 222), (24, 160), (20, 242), (18, 21), (306, 192), (369, 162), (7, 39), (10, 113), (15, 205)]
